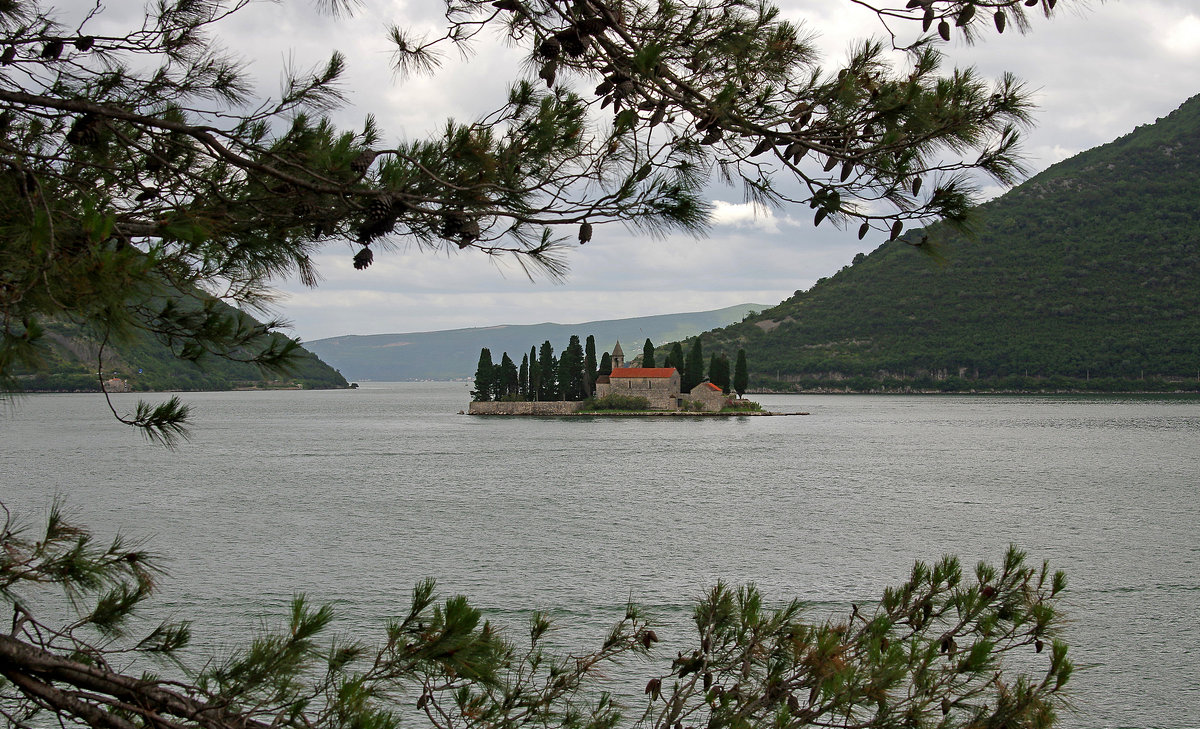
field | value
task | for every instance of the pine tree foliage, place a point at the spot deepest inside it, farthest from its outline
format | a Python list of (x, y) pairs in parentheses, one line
[(946, 648), (138, 161)]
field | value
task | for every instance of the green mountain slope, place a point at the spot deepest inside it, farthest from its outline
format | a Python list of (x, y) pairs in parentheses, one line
[(454, 354), (69, 363), (1087, 275)]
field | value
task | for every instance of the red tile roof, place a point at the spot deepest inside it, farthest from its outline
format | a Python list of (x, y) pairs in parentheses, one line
[(711, 386), (648, 372)]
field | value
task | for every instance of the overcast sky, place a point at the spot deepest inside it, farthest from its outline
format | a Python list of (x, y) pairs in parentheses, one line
[(1098, 73)]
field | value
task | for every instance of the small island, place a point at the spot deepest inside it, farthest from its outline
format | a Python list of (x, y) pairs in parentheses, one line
[(610, 388)]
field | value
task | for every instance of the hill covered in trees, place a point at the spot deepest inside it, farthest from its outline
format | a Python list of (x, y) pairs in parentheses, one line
[(70, 358), (1086, 276)]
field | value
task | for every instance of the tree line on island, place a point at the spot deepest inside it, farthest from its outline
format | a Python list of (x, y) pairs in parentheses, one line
[(542, 376)]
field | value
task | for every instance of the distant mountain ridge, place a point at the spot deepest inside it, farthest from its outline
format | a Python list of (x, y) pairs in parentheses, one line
[(1085, 276), (454, 354)]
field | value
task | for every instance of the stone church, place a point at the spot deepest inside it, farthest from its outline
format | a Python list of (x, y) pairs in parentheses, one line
[(659, 385)]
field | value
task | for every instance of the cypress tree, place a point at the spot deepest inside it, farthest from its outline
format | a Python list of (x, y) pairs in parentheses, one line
[(547, 367), (741, 375), (718, 372), (523, 378), (675, 359), (648, 353), (570, 371), (589, 364), (605, 367), (506, 378), (484, 377), (694, 368), (535, 375)]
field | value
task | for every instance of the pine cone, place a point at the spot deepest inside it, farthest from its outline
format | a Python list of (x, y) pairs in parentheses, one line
[(470, 233), (362, 162), (572, 43), (550, 48), (379, 209), (591, 26), (85, 43), (52, 50), (85, 131), (363, 258), (379, 219), (9, 55), (547, 73)]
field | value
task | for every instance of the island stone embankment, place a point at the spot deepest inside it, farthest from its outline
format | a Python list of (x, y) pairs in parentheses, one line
[(526, 407), (553, 408)]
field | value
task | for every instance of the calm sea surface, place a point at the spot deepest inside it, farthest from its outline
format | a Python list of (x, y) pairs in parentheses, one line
[(353, 496)]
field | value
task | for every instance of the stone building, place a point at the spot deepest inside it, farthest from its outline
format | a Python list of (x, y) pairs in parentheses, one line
[(709, 395), (659, 385)]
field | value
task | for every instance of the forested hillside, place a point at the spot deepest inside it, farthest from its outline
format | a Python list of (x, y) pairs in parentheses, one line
[(69, 363), (1085, 276)]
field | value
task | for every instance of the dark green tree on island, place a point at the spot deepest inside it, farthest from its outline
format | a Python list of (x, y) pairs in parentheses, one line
[(485, 377), (675, 358), (693, 367), (507, 382), (605, 366), (547, 372), (718, 372), (741, 374), (590, 364), (572, 376)]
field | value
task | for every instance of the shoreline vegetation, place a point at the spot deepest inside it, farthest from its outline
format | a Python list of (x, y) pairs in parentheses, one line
[(94, 388), (963, 386)]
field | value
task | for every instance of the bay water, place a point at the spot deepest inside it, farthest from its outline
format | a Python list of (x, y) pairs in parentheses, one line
[(353, 496)]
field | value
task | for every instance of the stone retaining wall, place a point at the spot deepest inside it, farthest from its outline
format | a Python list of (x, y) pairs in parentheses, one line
[(559, 407)]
